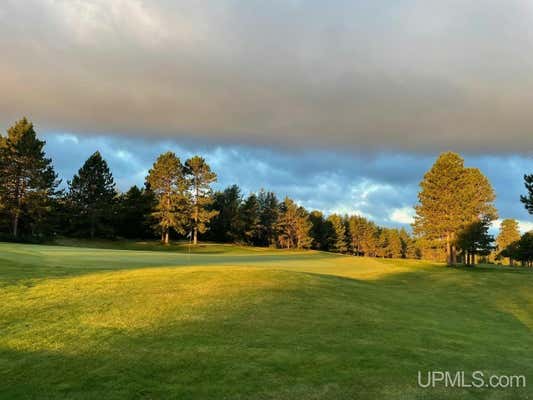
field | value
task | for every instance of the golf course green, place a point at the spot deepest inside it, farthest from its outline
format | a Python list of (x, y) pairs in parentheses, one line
[(131, 320)]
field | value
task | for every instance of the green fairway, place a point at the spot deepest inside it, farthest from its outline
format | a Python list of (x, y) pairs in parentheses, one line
[(225, 322)]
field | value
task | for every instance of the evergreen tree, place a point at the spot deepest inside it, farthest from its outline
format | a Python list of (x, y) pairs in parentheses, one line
[(27, 179), (269, 217), (250, 215), (133, 213), (370, 238), (200, 177), (167, 181), (509, 233), (357, 227), (451, 198), (409, 245), (319, 230), (293, 226), (528, 198), (474, 239), (226, 224), (394, 244), (91, 196), (522, 250), (382, 243), (338, 234)]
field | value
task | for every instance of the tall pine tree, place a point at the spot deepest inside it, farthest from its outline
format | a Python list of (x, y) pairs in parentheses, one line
[(200, 179), (250, 215), (293, 226), (91, 197), (509, 234), (337, 242), (452, 197), (27, 179), (167, 181)]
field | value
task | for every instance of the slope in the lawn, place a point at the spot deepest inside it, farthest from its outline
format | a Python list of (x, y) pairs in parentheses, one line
[(273, 325)]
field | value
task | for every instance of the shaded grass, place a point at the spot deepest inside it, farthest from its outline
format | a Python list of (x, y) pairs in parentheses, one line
[(81, 323)]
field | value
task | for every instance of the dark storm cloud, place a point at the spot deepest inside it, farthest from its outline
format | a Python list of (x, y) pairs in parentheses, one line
[(409, 75), (382, 186)]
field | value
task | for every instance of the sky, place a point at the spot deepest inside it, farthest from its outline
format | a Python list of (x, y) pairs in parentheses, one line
[(342, 105)]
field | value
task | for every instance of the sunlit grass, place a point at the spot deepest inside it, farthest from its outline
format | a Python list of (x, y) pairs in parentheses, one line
[(240, 323)]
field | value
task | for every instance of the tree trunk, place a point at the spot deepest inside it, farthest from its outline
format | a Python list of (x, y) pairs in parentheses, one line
[(448, 250), (16, 222), (453, 249), (166, 237), (195, 236)]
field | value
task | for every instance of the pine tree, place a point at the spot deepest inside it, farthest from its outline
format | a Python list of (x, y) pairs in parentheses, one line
[(133, 211), (509, 233), (167, 181), (27, 179), (394, 244), (250, 214), (293, 226), (338, 234), (91, 196), (200, 177), (370, 238), (409, 245), (269, 217), (474, 239), (522, 250), (451, 198), (357, 227), (528, 198), (319, 230), (226, 225)]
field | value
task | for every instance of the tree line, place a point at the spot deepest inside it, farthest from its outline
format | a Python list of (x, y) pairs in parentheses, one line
[(452, 220), (177, 201)]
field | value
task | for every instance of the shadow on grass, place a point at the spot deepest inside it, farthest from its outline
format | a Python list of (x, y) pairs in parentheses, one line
[(309, 336)]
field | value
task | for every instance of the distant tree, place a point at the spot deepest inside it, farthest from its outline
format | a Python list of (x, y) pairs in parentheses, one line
[(382, 243), (509, 233), (28, 182), (394, 243), (167, 181), (200, 177), (269, 217), (250, 214), (474, 239), (337, 241), (370, 239), (528, 198), (522, 250), (91, 196), (319, 230), (226, 224), (133, 213), (357, 227), (451, 198), (293, 226)]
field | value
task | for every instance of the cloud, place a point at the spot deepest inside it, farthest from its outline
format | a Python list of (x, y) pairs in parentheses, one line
[(404, 215), (411, 75)]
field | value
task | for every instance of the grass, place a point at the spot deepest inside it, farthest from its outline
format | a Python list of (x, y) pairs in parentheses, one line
[(226, 322)]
